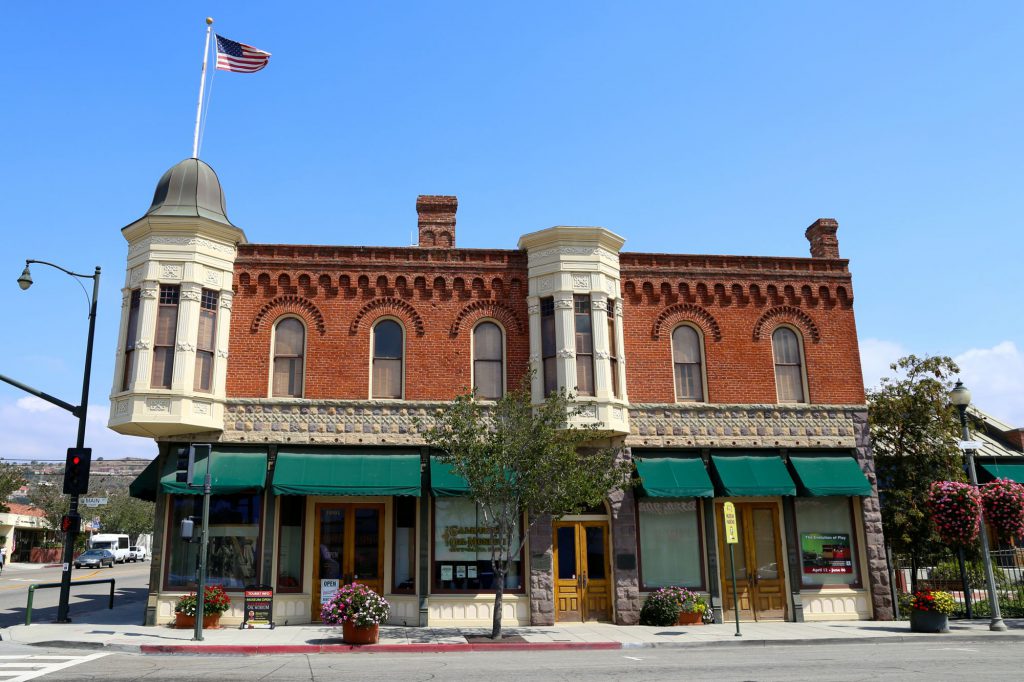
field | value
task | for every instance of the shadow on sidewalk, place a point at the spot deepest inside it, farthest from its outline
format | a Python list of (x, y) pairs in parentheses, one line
[(129, 607)]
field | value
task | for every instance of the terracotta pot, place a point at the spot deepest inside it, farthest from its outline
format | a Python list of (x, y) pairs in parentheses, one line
[(359, 634), (183, 622), (928, 621), (692, 618)]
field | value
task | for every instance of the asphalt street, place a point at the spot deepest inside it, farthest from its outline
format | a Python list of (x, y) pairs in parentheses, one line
[(811, 663), (131, 583)]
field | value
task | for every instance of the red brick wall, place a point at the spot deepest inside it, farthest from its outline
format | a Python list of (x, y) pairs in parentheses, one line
[(438, 294)]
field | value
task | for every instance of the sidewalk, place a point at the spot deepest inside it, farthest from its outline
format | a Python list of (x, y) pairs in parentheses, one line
[(107, 629)]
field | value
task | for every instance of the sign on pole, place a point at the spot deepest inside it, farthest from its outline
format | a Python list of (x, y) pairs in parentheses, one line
[(732, 535), (94, 501)]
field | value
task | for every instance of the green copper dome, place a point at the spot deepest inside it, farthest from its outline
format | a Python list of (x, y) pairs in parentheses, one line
[(190, 189)]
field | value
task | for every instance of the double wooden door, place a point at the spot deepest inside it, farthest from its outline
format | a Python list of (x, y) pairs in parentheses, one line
[(348, 547), (583, 586), (760, 574)]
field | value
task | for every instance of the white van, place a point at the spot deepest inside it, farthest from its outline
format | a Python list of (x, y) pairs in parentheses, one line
[(116, 543)]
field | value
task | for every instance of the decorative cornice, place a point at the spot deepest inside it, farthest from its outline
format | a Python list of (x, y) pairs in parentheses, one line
[(690, 313), (290, 303), (143, 244), (773, 317)]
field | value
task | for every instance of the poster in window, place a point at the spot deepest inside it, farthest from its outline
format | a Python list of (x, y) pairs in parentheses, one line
[(826, 553), (446, 572)]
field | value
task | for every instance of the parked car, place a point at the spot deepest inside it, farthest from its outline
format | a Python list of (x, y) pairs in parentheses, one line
[(136, 553), (95, 558)]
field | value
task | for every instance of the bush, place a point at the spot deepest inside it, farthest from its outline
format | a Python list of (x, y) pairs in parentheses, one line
[(948, 573), (355, 603), (663, 606)]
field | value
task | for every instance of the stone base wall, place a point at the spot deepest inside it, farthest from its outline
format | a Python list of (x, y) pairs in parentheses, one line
[(878, 568), (542, 571)]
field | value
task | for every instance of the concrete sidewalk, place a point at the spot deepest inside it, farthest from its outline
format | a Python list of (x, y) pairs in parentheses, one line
[(107, 629)]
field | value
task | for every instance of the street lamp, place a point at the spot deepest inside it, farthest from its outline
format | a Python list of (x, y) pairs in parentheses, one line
[(25, 281), (961, 398)]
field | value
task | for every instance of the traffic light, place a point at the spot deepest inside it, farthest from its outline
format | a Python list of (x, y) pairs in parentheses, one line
[(76, 471), (71, 523), (186, 460)]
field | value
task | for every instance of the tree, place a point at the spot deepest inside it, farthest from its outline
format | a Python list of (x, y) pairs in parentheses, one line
[(524, 460), (915, 432), (12, 477), (47, 494), (125, 514)]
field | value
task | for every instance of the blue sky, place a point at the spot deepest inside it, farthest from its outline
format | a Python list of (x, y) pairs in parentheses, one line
[(721, 128)]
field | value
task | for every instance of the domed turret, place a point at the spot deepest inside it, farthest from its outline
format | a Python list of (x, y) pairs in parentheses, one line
[(190, 189)]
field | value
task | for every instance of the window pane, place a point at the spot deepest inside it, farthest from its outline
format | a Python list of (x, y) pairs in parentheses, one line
[(826, 541), (487, 342), (166, 324), (596, 559), (129, 370), (615, 377), (288, 377), (566, 553), (289, 338), (785, 346), (487, 379), (789, 380), (688, 382), (547, 336), (585, 374), (550, 376), (462, 550), (387, 378), (233, 545), (207, 330), (685, 344), (289, 549), (670, 544), (387, 340), (366, 548), (405, 544), (163, 367), (133, 321), (204, 371)]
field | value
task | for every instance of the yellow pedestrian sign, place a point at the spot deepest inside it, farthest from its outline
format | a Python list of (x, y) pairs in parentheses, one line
[(729, 514)]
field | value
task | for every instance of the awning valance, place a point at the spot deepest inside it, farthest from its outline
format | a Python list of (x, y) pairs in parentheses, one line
[(751, 476), (822, 475), (145, 485), (444, 483), (1011, 470), (674, 477), (342, 473), (233, 470)]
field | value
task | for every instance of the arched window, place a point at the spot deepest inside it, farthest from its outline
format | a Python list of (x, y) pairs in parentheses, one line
[(387, 360), (686, 358), (789, 375), (488, 361), (289, 354)]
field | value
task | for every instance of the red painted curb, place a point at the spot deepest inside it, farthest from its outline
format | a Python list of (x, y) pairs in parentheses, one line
[(269, 649)]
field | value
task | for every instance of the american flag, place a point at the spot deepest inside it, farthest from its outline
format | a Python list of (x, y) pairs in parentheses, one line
[(239, 57)]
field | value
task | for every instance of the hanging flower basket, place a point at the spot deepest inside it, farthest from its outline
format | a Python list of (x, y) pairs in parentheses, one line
[(956, 511), (1004, 507)]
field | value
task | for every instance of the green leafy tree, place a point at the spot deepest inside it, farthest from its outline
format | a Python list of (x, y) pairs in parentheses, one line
[(915, 431), (524, 462), (125, 514), (12, 477), (46, 493)]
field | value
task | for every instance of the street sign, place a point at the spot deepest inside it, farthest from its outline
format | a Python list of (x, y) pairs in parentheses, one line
[(94, 501), (732, 535), (970, 444)]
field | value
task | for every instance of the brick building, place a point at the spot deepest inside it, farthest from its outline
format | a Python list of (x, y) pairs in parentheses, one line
[(314, 370)]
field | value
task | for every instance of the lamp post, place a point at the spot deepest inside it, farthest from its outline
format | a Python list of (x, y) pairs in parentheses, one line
[(961, 398), (25, 281)]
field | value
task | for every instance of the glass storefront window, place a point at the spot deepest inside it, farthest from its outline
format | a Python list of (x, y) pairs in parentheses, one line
[(670, 545), (827, 547), (462, 553), (233, 547), (405, 544), (289, 547)]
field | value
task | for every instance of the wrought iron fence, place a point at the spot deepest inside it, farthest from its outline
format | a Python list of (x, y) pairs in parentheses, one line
[(942, 572)]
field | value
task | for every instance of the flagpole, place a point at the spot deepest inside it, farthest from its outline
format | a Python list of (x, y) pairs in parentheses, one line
[(202, 85)]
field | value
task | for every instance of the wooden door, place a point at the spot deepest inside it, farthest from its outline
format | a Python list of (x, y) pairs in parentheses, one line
[(583, 586), (760, 576), (348, 547)]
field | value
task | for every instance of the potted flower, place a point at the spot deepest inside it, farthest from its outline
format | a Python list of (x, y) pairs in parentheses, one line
[(673, 606), (929, 611), (359, 610), (215, 602)]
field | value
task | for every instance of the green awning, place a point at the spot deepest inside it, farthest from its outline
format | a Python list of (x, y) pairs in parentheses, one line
[(231, 471), (751, 476), (830, 475), (340, 473), (145, 484), (443, 483), (674, 477), (1011, 470)]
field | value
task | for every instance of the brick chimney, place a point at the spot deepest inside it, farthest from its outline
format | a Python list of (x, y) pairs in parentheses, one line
[(436, 215), (822, 236), (1016, 438)]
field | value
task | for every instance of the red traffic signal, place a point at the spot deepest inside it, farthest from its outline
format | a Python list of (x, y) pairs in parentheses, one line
[(76, 471), (70, 523)]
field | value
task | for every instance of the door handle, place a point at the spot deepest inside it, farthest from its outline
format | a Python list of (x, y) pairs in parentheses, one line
[(585, 580)]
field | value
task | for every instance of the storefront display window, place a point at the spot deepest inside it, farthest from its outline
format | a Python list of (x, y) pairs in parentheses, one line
[(405, 545), (233, 545), (827, 547), (462, 550), (670, 545), (289, 547)]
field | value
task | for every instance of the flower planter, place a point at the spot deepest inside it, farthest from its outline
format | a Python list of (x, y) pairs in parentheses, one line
[(690, 618), (928, 621), (359, 634), (183, 622)]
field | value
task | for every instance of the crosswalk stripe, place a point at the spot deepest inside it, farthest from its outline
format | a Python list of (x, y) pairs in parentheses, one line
[(23, 675)]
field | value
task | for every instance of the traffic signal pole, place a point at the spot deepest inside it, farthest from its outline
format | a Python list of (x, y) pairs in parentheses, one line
[(204, 540)]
